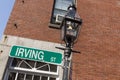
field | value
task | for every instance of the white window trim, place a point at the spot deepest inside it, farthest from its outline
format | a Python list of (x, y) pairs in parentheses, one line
[(34, 71), (30, 71), (6, 77)]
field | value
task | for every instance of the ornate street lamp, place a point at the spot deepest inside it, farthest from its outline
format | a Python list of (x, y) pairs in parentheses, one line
[(69, 31), (70, 26)]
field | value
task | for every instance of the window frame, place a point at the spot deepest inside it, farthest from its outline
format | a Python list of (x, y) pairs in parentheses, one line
[(53, 24), (10, 68)]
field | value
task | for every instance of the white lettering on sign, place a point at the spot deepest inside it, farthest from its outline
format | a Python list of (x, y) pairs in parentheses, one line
[(53, 59), (28, 53)]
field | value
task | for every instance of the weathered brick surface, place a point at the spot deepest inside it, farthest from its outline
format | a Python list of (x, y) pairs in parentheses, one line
[(32, 18), (99, 39)]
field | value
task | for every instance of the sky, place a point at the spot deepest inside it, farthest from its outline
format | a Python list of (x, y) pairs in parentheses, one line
[(5, 10)]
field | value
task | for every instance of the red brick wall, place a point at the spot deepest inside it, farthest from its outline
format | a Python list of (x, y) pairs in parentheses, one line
[(32, 18), (99, 39)]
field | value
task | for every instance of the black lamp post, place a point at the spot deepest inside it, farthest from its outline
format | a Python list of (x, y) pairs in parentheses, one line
[(70, 26), (69, 31)]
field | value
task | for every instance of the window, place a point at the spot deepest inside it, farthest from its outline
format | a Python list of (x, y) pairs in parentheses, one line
[(28, 64), (20, 69), (24, 76), (59, 10)]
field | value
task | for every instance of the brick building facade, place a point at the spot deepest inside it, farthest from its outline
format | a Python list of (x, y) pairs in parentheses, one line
[(98, 42)]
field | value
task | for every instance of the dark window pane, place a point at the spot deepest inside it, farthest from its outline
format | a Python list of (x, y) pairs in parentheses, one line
[(20, 76), (28, 77), (16, 62), (31, 63), (52, 78), (42, 66), (44, 78), (22, 63), (60, 12), (12, 76), (63, 4), (27, 64), (36, 78), (53, 68), (60, 8)]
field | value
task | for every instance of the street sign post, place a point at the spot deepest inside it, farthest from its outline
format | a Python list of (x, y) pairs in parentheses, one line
[(36, 55)]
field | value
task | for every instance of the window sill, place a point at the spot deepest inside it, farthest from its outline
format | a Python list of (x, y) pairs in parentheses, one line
[(56, 26)]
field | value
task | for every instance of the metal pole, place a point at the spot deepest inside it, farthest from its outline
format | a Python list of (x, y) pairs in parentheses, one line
[(65, 71), (67, 53)]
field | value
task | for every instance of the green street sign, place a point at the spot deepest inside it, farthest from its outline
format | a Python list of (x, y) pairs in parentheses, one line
[(36, 55)]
